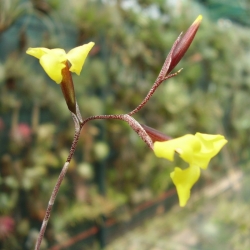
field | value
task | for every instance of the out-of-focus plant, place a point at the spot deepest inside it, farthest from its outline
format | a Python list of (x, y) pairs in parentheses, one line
[(10, 11), (125, 72)]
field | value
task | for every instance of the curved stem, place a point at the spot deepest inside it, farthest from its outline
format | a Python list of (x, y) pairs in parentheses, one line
[(136, 126), (102, 117)]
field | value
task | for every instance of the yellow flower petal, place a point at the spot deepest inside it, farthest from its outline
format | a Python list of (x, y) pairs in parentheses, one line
[(184, 181), (53, 66), (58, 52), (183, 145), (195, 149), (210, 146), (211, 142), (52, 61), (77, 57), (37, 52)]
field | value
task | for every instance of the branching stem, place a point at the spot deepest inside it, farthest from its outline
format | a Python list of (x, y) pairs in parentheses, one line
[(78, 127), (79, 123), (176, 53)]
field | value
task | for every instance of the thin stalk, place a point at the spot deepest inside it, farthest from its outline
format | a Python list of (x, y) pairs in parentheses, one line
[(136, 126), (151, 92), (163, 75), (78, 127), (50, 205)]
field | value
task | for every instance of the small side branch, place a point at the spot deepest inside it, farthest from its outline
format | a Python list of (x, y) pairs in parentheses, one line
[(136, 126), (102, 117), (164, 74), (131, 122), (151, 92)]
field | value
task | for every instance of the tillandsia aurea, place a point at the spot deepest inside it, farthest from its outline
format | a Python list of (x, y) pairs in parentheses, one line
[(197, 149)]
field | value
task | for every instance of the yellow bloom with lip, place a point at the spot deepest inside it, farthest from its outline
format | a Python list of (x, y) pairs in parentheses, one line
[(184, 181), (197, 150), (54, 60)]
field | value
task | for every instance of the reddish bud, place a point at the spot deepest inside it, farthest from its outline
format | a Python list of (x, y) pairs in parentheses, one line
[(67, 87), (155, 135), (182, 44)]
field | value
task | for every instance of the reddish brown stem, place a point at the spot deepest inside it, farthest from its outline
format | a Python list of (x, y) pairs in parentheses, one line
[(131, 122), (176, 53), (78, 127), (151, 92), (50, 205)]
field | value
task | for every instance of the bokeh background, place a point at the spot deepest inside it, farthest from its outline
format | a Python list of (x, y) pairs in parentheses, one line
[(117, 194)]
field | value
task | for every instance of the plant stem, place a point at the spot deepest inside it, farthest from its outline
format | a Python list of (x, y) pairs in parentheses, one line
[(78, 127), (50, 205), (163, 75), (151, 92), (136, 126)]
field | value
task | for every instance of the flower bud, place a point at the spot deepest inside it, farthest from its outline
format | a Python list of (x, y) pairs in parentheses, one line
[(67, 87), (155, 135), (183, 44)]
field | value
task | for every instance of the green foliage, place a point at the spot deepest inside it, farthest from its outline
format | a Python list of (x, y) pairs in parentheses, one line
[(209, 96), (10, 11)]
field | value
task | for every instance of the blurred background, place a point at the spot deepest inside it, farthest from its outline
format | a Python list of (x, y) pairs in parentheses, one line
[(116, 193)]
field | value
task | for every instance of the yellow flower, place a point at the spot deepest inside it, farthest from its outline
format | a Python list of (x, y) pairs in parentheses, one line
[(197, 150), (54, 60)]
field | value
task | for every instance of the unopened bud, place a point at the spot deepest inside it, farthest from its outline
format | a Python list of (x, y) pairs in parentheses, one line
[(183, 44), (67, 87), (155, 135)]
